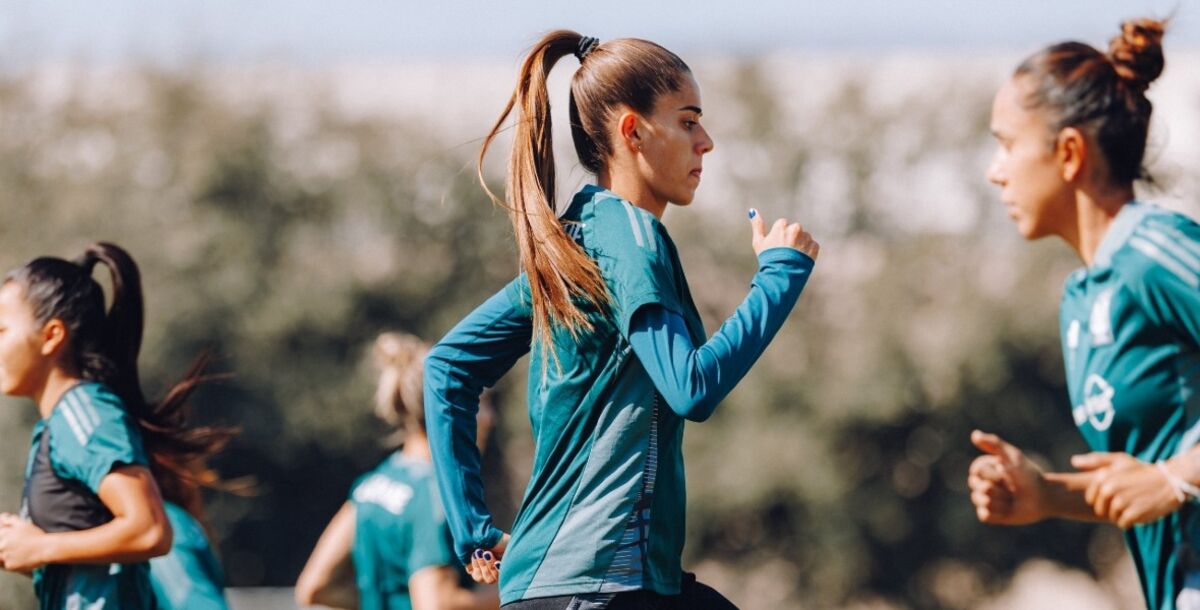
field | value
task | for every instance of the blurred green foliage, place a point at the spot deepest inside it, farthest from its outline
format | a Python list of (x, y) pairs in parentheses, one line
[(284, 237)]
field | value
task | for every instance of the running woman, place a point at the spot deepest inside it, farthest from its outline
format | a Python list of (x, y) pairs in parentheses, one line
[(619, 354), (1071, 125), (391, 536), (91, 513)]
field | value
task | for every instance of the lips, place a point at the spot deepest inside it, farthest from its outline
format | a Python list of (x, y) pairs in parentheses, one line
[(695, 173)]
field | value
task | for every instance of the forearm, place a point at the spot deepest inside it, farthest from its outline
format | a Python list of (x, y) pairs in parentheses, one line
[(122, 540), (471, 357), (450, 423), (695, 380), (328, 576)]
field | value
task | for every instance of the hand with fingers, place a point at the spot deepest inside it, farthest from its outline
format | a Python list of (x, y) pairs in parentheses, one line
[(1006, 487), (1126, 491), (485, 563), (783, 234), (20, 544)]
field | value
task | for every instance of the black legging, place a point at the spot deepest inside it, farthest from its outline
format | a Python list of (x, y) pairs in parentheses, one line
[(693, 595)]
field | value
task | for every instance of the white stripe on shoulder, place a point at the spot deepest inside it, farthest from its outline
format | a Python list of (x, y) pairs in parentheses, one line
[(76, 403), (1167, 262), (1187, 243), (646, 222), (85, 400), (1170, 246), (633, 224), (69, 415)]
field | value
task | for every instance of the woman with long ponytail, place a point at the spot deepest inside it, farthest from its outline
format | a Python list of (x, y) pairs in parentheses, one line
[(619, 352), (102, 456), (390, 538)]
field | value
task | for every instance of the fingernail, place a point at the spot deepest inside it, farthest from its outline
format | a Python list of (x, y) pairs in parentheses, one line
[(497, 565), (478, 553), (487, 555), (752, 213)]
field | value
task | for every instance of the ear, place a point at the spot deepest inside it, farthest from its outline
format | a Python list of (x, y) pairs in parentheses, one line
[(54, 337), (628, 123), (1070, 150)]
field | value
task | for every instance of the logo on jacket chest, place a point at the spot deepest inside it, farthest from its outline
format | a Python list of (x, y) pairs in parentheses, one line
[(1097, 408)]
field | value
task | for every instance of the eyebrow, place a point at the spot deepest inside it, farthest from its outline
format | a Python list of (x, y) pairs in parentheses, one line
[(695, 109)]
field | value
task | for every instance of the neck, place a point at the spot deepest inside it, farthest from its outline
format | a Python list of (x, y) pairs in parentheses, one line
[(1094, 213), (629, 187), (416, 446), (57, 384)]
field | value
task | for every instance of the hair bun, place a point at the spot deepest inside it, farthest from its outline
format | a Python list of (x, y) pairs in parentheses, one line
[(1137, 52), (398, 351)]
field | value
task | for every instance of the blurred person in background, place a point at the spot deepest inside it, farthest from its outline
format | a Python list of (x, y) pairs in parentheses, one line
[(389, 547), (1072, 126), (619, 354), (92, 514)]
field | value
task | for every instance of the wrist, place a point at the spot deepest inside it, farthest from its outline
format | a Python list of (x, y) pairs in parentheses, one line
[(1183, 489), (45, 549), (1184, 467)]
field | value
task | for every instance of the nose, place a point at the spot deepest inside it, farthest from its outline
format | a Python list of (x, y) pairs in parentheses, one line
[(995, 173), (704, 143)]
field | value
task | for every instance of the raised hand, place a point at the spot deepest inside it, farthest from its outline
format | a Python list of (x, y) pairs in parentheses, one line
[(1006, 487), (783, 234)]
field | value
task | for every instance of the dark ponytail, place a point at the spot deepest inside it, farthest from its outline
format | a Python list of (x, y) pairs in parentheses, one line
[(103, 346)]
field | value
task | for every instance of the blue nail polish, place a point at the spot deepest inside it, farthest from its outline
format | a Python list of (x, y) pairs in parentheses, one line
[(753, 212), (487, 555), (497, 565), (478, 553)]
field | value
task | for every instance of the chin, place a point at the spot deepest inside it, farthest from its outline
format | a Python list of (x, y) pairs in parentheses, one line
[(683, 199), (1031, 231)]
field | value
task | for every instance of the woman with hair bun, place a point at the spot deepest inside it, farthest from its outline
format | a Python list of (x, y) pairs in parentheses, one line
[(91, 512), (1072, 125), (391, 537), (619, 354)]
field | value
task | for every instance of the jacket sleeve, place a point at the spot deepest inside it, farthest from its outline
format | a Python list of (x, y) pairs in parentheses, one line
[(693, 380), (471, 357)]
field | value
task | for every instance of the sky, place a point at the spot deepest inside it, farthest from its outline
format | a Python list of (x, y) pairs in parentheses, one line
[(308, 31)]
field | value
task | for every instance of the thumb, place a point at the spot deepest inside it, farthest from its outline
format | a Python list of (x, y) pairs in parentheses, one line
[(1093, 461), (756, 224), (994, 445)]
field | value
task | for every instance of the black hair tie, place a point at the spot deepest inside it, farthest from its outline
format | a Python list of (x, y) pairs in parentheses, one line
[(587, 44)]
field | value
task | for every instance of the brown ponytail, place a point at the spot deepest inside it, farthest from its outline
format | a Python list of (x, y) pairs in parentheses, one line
[(557, 268), (628, 72)]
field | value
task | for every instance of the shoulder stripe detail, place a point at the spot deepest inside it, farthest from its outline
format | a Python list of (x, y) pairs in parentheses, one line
[(1187, 243), (649, 233), (88, 421), (633, 224), (76, 429), (1167, 262), (1170, 246), (85, 402), (81, 416)]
